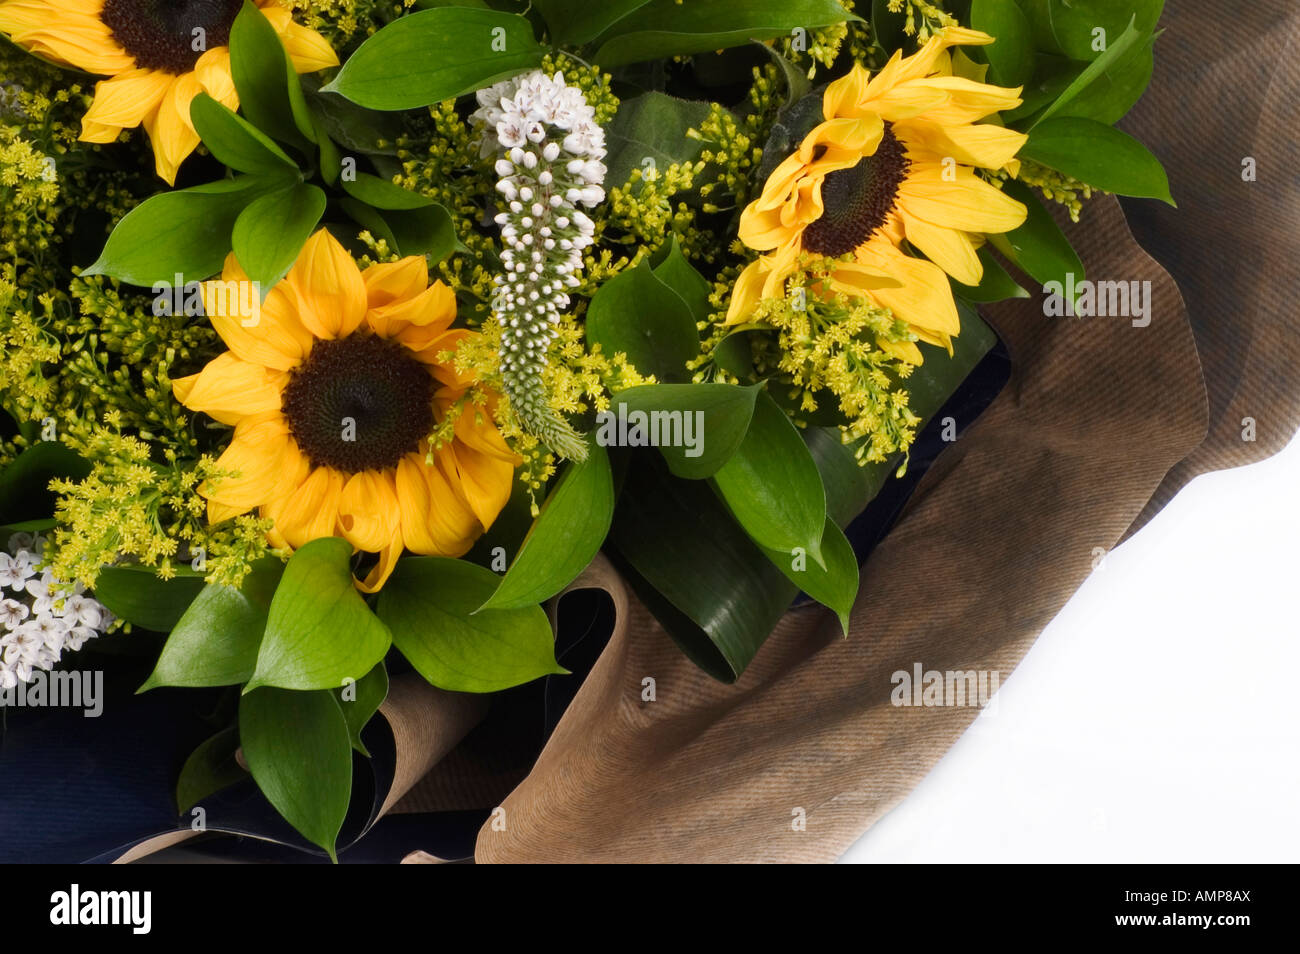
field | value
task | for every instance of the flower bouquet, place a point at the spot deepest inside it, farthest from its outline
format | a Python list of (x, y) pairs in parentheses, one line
[(340, 338)]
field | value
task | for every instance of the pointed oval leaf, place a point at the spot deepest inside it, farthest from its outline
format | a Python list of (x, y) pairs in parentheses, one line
[(297, 747), (319, 632), (698, 426), (431, 606)]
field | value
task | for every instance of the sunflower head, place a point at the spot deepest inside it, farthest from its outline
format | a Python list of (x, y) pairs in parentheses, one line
[(158, 55), (333, 386), (893, 160)]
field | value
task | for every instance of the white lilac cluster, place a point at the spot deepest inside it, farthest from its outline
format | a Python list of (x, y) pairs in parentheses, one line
[(550, 149), (39, 618)]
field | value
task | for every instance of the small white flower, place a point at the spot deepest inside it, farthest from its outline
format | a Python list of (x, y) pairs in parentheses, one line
[(20, 541), (15, 570), (8, 679), (12, 613), (84, 611)]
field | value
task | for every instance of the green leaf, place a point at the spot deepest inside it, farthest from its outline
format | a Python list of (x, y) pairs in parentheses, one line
[(836, 584), (1116, 87), (714, 591), (722, 410), (271, 231), (637, 314), (396, 68), (431, 605), (235, 141), (319, 632), (887, 26), (1099, 155), (139, 596), (671, 267), (215, 642), (209, 769), (1011, 59), (360, 701), (652, 126), (565, 536), (996, 285), (186, 232), (573, 23), (264, 76), (383, 194), (1039, 247), (297, 746), (665, 28), (1071, 27), (1081, 85), (772, 486), (24, 483)]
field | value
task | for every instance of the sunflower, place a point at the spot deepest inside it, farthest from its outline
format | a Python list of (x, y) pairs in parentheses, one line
[(894, 159), (333, 387), (159, 55)]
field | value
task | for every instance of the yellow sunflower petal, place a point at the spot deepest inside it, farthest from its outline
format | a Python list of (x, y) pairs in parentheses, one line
[(430, 312), (842, 96), (388, 282), (368, 511), (310, 510), (255, 462), (69, 32), (950, 249), (476, 430), (170, 131), (213, 72), (331, 295), (382, 570), (986, 145), (959, 199), (924, 299), (415, 504), (230, 389), (124, 101), (274, 337), (308, 50), (486, 481)]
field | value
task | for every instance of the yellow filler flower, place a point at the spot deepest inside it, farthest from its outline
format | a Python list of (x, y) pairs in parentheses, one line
[(159, 55), (893, 160), (333, 389)]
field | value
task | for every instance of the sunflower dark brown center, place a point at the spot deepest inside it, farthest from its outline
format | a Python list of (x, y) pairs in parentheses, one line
[(858, 200), (360, 403), (170, 35)]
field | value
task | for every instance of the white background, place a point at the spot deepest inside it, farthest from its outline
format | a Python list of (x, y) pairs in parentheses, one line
[(1157, 718)]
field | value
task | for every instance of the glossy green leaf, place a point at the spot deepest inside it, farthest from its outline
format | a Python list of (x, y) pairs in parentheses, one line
[(1039, 247), (671, 267), (667, 28), (319, 632), (1081, 86), (716, 416), (1086, 29), (215, 642), (235, 141), (1010, 57), (298, 749), (272, 230), (262, 74), (432, 606), (1116, 87), (398, 68), (649, 133), (565, 536), (186, 232), (137, 595), (996, 285), (834, 585), (360, 701), (772, 486), (716, 593), (576, 23), (382, 194), (638, 314), (1099, 155), (210, 768)]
